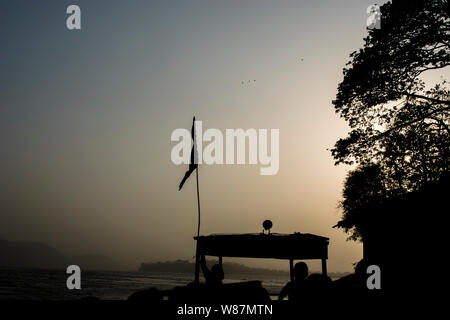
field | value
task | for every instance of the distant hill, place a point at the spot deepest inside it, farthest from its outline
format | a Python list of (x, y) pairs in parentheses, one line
[(30, 254), (43, 256), (185, 266)]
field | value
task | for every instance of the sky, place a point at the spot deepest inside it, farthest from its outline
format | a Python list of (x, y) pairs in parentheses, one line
[(86, 118)]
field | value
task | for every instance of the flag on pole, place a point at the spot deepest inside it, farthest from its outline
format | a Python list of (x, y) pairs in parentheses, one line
[(192, 165)]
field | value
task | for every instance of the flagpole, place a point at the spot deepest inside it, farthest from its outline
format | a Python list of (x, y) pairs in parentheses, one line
[(198, 202), (197, 257)]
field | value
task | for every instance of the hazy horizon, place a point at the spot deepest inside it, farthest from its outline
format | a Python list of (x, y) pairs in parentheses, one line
[(86, 118)]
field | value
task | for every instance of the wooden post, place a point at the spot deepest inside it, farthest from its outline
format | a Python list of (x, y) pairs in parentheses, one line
[(324, 266), (291, 269)]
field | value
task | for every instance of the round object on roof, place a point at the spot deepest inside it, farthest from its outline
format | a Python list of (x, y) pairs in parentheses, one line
[(267, 224)]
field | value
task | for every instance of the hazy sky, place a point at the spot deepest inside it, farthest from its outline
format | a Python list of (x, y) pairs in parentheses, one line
[(86, 118)]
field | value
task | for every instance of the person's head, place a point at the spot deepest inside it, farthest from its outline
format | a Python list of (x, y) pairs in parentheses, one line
[(300, 271), (217, 272)]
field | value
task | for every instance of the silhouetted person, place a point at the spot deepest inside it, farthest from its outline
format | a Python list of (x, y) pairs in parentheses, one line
[(318, 285), (355, 282), (295, 289), (214, 277)]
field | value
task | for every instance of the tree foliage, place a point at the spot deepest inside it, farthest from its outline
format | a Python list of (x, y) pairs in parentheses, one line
[(398, 125), (363, 187)]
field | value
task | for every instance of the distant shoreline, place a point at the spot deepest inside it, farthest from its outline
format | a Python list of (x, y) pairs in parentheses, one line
[(185, 266)]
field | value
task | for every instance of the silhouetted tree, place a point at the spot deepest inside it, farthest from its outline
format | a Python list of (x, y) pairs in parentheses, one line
[(399, 134), (363, 186)]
